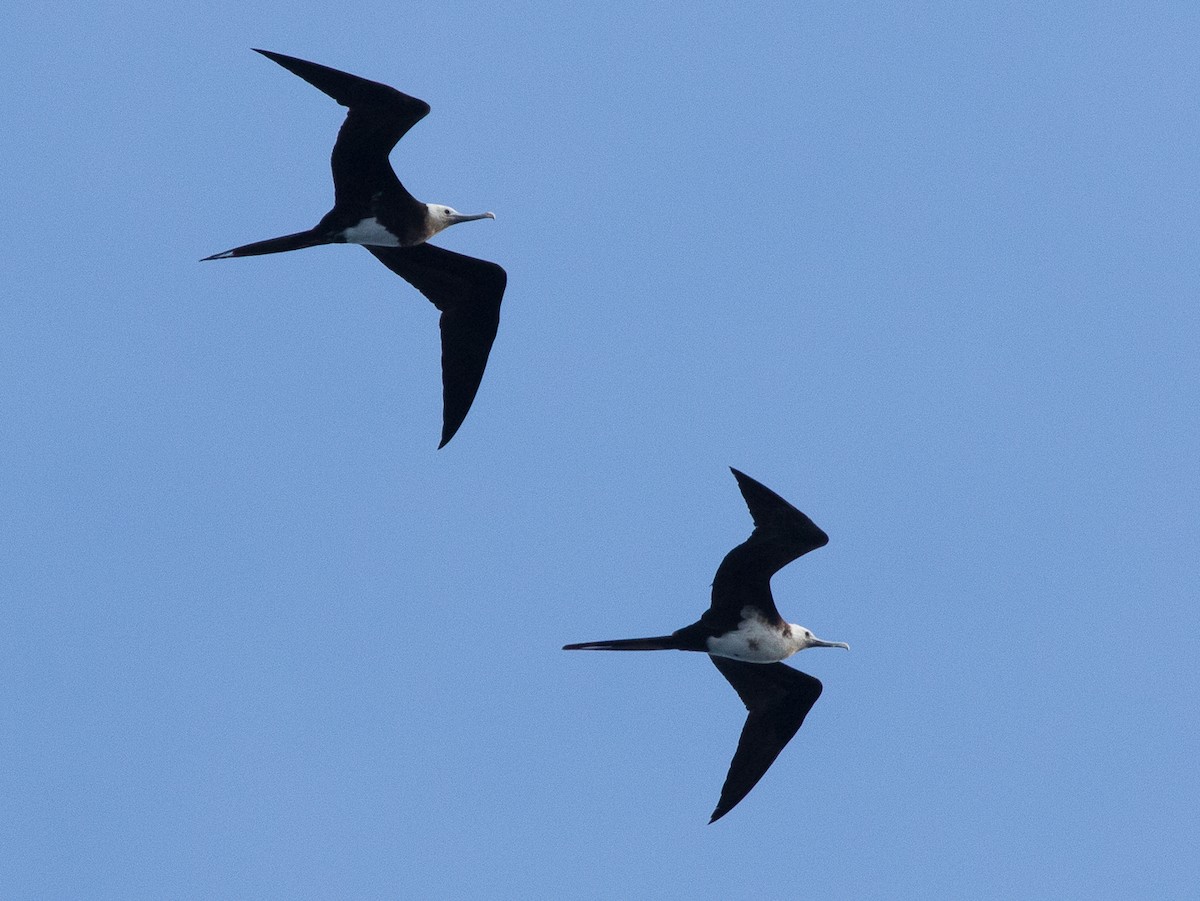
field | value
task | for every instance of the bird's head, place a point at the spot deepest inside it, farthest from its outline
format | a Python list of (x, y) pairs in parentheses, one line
[(441, 216), (807, 640)]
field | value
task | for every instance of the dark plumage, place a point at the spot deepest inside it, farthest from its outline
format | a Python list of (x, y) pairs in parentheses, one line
[(746, 637), (778, 699), (371, 207), (743, 580)]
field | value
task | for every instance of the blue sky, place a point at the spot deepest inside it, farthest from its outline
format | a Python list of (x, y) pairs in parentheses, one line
[(929, 270)]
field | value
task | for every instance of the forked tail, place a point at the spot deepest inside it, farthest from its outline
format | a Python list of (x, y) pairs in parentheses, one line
[(657, 643), (298, 241)]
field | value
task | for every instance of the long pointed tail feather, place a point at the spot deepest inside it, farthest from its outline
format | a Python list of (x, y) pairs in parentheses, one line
[(657, 643), (296, 241)]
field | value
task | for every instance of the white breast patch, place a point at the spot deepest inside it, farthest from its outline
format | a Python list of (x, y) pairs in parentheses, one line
[(369, 231), (754, 642)]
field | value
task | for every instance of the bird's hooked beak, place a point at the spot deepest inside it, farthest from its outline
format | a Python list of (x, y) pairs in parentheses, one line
[(464, 217), (818, 643)]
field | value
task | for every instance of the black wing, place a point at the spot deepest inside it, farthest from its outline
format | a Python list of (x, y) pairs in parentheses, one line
[(468, 292), (379, 117), (778, 698), (781, 534)]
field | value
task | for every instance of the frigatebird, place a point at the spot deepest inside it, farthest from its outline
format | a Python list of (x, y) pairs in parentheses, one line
[(371, 207), (745, 637)]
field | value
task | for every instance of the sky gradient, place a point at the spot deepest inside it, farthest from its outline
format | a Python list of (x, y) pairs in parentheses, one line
[(928, 271)]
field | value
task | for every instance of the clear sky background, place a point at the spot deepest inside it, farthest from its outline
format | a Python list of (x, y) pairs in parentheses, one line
[(930, 271)]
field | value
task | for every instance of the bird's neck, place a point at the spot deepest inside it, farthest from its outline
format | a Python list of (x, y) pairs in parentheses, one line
[(793, 637), (434, 223)]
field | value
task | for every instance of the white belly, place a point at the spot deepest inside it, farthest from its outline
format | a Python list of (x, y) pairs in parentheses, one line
[(369, 231), (754, 642)]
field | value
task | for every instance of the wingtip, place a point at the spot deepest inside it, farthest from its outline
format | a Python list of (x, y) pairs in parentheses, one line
[(449, 430), (764, 502), (744, 481), (272, 55)]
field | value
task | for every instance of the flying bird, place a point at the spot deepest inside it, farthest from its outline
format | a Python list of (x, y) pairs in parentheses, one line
[(745, 637), (371, 207)]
